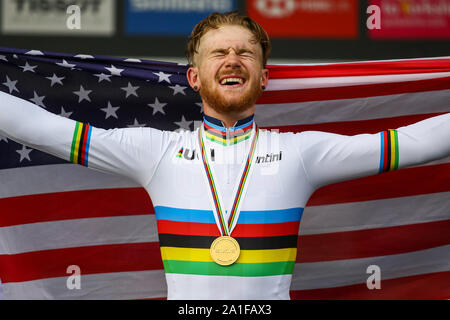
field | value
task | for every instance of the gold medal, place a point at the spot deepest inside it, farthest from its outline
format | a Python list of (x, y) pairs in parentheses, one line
[(225, 250)]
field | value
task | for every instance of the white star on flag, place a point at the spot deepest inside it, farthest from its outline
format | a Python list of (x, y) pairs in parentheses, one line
[(163, 76), (83, 94), (11, 85), (184, 124), (38, 100), (110, 111), (84, 56), (130, 90), (35, 53), (65, 64), (27, 67), (115, 71), (24, 153), (55, 80), (103, 76), (136, 124), (64, 113), (157, 106), (178, 89), (133, 60)]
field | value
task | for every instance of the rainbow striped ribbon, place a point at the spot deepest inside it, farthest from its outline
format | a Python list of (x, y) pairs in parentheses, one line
[(225, 227), (79, 153), (389, 156)]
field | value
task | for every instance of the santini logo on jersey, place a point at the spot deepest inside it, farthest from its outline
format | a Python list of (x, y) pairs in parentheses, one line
[(272, 157)]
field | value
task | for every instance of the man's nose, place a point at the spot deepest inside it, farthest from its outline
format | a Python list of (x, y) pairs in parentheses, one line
[(233, 60)]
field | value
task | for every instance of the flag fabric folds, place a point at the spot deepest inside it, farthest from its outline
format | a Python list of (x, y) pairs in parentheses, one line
[(381, 237)]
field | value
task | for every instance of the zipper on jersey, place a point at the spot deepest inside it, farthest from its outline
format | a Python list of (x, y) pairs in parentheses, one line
[(228, 154)]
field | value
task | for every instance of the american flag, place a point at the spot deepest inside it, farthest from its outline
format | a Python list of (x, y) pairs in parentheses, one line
[(54, 214)]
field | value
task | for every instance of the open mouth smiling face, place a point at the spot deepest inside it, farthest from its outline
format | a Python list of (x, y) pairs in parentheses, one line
[(232, 81)]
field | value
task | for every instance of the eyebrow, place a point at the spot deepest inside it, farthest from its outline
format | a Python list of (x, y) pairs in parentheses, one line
[(239, 51)]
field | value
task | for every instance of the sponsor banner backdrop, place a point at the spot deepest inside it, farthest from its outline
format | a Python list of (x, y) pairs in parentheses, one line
[(170, 17), (307, 18), (412, 19), (51, 17)]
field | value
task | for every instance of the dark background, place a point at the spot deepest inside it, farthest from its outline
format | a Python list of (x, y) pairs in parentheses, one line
[(292, 49)]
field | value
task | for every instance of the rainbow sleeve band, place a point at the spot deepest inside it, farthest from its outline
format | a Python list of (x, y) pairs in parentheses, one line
[(80, 144), (389, 150)]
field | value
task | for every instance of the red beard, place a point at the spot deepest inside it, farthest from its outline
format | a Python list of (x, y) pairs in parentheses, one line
[(217, 101)]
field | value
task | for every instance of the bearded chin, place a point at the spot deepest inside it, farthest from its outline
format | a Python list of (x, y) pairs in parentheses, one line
[(223, 105)]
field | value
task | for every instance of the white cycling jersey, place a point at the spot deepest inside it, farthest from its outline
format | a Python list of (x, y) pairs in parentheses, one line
[(286, 169)]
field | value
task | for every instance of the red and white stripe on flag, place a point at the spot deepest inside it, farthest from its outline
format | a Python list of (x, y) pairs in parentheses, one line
[(398, 221)]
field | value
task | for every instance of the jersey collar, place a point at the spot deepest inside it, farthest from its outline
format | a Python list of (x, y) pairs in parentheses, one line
[(216, 131)]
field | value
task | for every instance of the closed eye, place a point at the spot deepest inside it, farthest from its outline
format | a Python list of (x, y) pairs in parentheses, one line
[(246, 53), (223, 52), (219, 52)]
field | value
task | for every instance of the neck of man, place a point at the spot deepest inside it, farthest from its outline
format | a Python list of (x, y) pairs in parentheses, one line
[(228, 119)]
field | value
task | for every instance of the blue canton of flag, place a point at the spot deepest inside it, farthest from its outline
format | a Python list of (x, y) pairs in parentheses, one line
[(105, 92)]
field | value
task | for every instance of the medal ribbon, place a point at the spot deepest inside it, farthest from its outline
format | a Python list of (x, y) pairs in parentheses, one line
[(225, 227)]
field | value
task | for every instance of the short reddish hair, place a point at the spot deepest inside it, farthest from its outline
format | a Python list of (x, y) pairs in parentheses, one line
[(216, 20)]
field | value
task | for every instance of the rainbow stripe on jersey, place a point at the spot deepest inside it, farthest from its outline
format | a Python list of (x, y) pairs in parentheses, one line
[(389, 156), (215, 130), (79, 153), (268, 241)]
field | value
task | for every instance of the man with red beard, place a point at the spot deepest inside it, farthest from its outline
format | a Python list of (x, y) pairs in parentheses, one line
[(228, 214), (227, 55)]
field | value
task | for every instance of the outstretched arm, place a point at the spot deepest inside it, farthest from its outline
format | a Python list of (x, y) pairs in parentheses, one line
[(132, 152), (329, 158)]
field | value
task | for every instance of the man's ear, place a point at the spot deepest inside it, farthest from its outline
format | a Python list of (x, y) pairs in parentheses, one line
[(265, 77), (192, 78)]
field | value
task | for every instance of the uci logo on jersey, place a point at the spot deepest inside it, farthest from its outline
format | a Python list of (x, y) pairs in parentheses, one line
[(189, 154)]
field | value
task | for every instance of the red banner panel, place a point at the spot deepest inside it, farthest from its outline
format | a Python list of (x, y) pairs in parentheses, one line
[(306, 18), (412, 19)]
